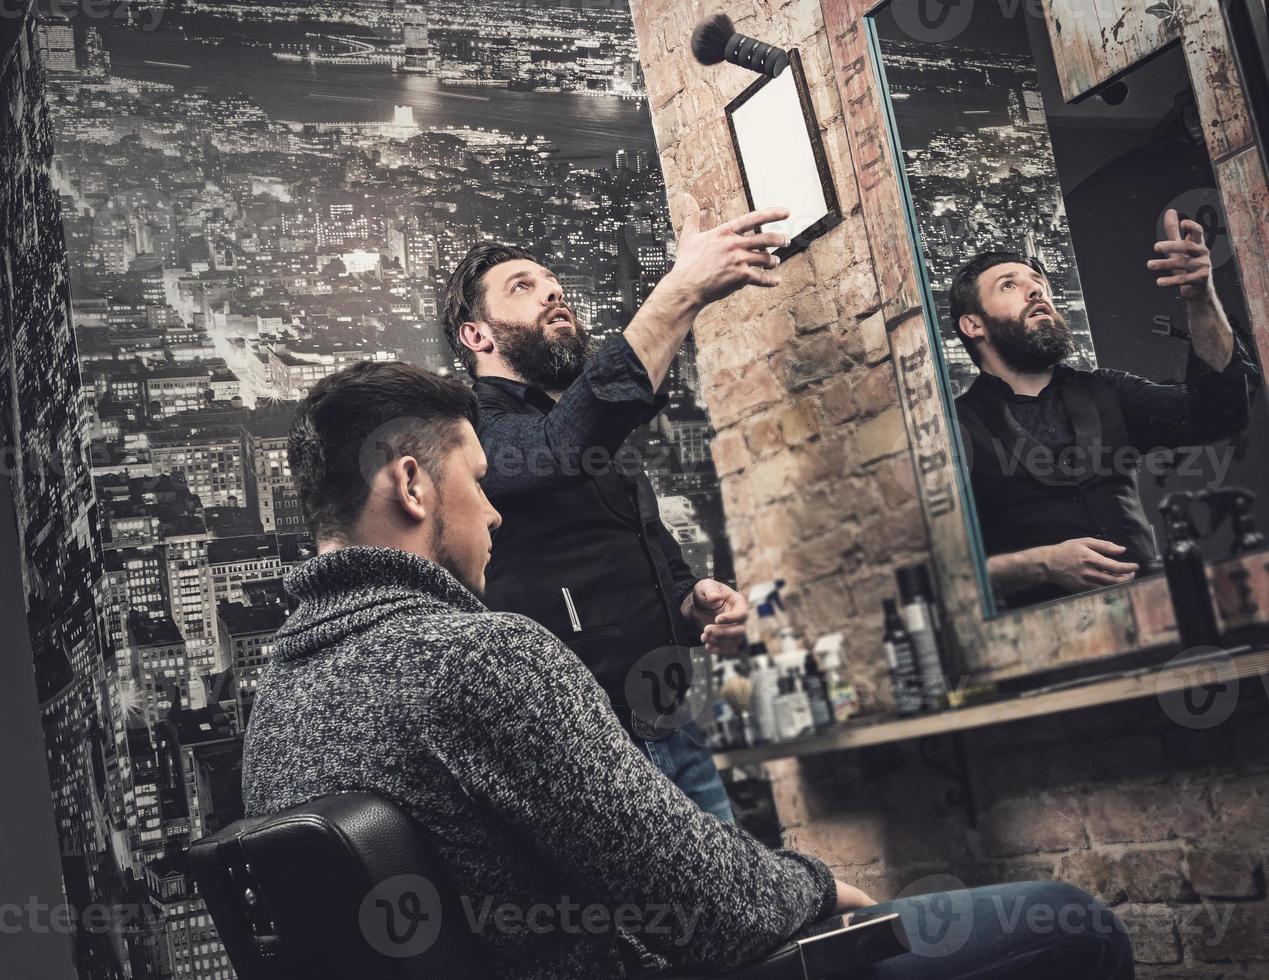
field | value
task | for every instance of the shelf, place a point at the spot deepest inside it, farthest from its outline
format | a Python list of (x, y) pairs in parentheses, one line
[(1147, 682)]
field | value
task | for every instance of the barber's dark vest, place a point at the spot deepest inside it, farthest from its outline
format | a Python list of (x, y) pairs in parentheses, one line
[(1027, 496), (593, 538)]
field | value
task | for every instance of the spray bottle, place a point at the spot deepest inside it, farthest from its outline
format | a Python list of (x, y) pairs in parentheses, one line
[(765, 675), (919, 620), (1234, 503), (719, 733), (1186, 573)]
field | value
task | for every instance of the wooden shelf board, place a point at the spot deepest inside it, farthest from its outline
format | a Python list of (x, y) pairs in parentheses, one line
[(1110, 691)]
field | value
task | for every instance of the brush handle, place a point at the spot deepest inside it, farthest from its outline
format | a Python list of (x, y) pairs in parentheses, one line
[(748, 52)]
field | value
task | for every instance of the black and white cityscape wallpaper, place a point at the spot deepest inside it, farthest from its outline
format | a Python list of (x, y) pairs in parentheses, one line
[(208, 207)]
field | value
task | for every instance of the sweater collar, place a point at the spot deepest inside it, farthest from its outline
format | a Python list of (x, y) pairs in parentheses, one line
[(334, 574)]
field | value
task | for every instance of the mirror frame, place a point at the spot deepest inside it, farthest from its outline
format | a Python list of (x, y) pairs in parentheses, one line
[(1114, 620)]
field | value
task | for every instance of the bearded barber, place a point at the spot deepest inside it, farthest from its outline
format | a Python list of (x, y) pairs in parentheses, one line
[(582, 549), (1054, 449)]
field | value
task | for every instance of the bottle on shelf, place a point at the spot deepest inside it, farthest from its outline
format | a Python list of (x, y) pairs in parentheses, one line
[(1187, 573), (920, 619), (901, 659), (815, 684), (792, 653), (764, 680), (803, 720), (763, 635), (792, 712), (843, 700)]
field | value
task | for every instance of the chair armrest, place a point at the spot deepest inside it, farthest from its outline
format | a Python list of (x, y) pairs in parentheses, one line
[(857, 945), (831, 951)]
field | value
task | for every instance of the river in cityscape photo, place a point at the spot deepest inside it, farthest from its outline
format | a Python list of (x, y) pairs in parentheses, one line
[(586, 130)]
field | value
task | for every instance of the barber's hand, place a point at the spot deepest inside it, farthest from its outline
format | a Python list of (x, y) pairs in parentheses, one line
[(850, 898), (1188, 263), (1084, 563), (715, 263), (720, 612)]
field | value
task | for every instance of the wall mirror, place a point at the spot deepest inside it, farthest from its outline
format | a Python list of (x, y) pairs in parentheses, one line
[(997, 158)]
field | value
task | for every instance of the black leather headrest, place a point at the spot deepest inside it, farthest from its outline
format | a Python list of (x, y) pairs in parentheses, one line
[(344, 886)]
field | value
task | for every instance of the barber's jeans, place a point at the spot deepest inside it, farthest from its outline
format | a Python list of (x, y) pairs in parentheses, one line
[(1037, 930), (687, 761)]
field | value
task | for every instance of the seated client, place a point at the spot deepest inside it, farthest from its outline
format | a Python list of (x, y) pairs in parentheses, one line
[(391, 676)]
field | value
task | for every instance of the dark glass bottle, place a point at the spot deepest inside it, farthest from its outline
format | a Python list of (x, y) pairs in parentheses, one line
[(901, 658), (1187, 574)]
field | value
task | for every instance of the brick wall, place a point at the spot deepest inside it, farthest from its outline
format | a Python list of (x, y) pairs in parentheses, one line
[(1168, 824), (811, 450)]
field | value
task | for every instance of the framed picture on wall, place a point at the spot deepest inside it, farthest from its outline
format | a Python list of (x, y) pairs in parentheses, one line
[(781, 156)]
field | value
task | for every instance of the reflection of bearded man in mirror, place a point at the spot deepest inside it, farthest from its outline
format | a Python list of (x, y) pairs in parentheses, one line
[(1054, 449), (1036, 337)]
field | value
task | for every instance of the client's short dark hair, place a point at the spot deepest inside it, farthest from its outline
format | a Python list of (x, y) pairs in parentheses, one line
[(465, 292), (406, 410), (966, 296)]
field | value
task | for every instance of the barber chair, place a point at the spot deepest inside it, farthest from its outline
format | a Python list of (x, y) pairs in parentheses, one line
[(345, 887)]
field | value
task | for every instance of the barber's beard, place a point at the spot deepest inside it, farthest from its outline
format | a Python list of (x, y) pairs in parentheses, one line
[(1030, 349), (545, 357)]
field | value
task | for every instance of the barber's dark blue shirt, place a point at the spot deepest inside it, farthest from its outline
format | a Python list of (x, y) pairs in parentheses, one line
[(1027, 494), (582, 549)]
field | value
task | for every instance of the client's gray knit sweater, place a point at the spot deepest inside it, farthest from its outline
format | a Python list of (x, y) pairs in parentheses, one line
[(392, 677)]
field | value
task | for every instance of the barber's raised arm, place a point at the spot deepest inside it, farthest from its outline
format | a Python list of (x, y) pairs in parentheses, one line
[(582, 432), (1188, 266), (1213, 402), (615, 393), (710, 265), (525, 729)]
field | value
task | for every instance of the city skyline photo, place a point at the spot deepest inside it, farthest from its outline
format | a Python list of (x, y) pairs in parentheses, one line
[(249, 197)]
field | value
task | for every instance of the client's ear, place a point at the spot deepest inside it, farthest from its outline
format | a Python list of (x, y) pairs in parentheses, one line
[(413, 488)]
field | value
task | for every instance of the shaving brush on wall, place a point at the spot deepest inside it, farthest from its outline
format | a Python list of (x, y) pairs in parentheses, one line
[(716, 40)]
